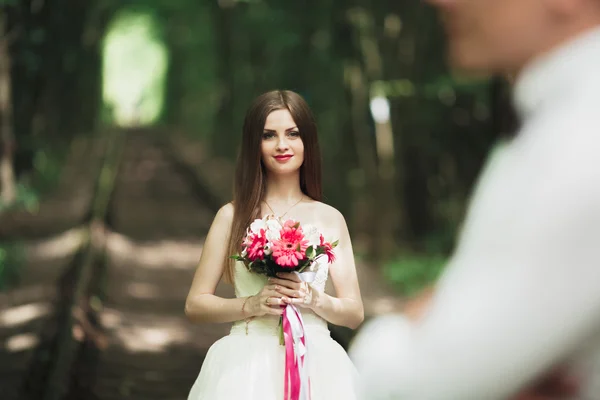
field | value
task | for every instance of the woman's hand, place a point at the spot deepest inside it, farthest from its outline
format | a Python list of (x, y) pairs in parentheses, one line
[(293, 290), (267, 302), (416, 307)]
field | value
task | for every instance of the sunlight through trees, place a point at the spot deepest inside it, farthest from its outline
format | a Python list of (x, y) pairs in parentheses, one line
[(134, 68)]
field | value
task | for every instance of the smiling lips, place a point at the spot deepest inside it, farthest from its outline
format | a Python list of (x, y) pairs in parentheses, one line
[(283, 158)]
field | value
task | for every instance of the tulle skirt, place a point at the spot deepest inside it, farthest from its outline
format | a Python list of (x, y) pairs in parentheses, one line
[(250, 366)]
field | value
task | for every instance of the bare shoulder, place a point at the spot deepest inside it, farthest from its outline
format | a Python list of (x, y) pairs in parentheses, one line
[(329, 214), (225, 214)]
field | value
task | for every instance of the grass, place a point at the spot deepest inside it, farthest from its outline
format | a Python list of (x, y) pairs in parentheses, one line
[(411, 273)]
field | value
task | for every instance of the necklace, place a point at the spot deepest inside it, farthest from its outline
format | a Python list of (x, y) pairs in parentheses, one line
[(289, 209)]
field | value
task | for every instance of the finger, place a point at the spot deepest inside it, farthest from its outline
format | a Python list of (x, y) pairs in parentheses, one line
[(297, 302), (271, 292), (274, 310), (289, 276), (289, 292), (277, 290), (272, 287), (286, 282), (268, 291), (276, 301)]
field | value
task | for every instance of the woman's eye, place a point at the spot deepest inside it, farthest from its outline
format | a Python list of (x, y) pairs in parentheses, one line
[(267, 135), (294, 134)]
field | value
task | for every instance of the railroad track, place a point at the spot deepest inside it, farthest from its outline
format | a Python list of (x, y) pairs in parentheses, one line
[(100, 312)]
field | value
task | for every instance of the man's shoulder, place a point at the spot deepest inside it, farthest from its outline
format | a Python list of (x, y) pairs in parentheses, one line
[(564, 136)]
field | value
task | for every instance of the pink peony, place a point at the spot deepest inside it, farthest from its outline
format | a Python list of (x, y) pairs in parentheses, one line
[(328, 250), (291, 247), (255, 245)]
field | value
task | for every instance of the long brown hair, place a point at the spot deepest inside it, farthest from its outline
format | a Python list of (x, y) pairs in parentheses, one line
[(250, 175)]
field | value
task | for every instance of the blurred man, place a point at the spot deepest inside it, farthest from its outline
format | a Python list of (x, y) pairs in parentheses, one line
[(521, 294)]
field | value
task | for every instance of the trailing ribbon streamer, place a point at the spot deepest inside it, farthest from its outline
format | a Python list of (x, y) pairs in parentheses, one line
[(297, 381)]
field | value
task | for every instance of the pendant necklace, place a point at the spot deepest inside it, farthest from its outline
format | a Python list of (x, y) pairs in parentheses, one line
[(289, 209)]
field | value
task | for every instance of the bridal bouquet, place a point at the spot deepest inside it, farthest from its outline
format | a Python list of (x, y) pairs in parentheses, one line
[(271, 246)]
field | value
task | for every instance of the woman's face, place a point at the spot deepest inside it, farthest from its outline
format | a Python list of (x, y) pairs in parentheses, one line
[(282, 148)]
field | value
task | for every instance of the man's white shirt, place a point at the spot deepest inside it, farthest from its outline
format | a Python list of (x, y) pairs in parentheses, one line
[(521, 292)]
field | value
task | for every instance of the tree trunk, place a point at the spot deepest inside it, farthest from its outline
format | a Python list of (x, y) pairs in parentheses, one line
[(412, 147), (224, 128), (379, 153), (8, 193)]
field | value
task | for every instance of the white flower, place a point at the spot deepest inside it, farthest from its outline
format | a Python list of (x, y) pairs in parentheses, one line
[(311, 233), (257, 225), (244, 252), (273, 230)]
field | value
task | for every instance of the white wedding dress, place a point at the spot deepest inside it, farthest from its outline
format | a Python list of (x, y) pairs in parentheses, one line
[(249, 362)]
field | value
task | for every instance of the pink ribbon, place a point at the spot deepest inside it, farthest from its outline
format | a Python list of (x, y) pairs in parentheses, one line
[(297, 382)]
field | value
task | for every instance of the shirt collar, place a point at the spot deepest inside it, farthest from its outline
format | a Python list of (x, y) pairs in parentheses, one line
[(555, 73)]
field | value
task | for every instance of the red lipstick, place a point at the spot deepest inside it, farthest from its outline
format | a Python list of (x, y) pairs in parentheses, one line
[(283, 157)]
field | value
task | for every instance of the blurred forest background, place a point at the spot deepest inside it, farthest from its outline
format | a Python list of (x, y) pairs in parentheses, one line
[(119, 127), (190, 68)]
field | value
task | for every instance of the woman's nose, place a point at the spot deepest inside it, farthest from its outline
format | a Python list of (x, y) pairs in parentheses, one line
[(282, 144)]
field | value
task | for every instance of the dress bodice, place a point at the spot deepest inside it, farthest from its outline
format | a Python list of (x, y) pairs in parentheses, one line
[(247, 283)]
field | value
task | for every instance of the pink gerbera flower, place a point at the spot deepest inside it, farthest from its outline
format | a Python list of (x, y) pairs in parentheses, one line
[(255, 245), (328, 250), (291, 247)]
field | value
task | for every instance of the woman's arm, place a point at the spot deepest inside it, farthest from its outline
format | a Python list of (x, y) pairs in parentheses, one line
[(201, 304), (346, 308)]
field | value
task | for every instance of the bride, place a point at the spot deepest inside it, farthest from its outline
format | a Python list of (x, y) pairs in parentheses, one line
[(279, 174)]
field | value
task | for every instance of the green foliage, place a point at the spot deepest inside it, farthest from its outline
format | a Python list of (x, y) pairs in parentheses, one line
[(439, 87), (12, 258), (43, 178), (440, 241), (411, 273), (48, 165), (193, 90), (27, 198), (217, 56)]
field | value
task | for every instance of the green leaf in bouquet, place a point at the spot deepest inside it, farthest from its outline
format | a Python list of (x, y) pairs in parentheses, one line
[(310, 252), (334, 244), (280, 329), (303, 264)]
